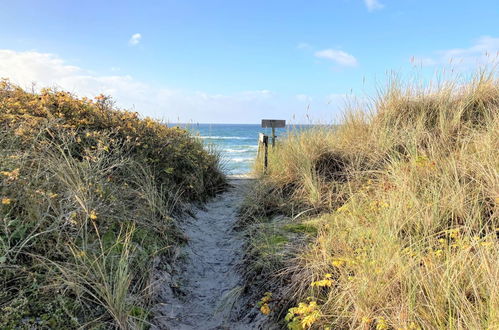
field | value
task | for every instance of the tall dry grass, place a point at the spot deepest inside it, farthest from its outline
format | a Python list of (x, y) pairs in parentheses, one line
[(405, 199), (89, 196)]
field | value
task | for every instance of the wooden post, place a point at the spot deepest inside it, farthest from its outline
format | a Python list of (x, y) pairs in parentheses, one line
[(264, 141), (265, 157), (273, 136)]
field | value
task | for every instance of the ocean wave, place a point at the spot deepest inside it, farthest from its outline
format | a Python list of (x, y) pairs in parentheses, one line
[(236, 151), (242, 146), (241, 159), (225, 137)]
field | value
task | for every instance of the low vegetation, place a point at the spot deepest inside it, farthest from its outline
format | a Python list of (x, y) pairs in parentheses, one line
[(404, 202), (88, 198)]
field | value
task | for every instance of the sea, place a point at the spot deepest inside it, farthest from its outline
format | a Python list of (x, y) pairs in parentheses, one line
[(237, 143)]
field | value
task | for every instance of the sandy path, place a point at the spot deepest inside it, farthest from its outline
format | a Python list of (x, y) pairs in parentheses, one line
[(208, 277)]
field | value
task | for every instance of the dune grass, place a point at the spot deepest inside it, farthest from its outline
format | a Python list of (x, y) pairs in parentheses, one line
[(89, 196), (405, 201)]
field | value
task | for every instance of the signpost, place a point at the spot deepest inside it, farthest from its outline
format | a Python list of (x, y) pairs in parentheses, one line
[(273, 123), (264, 139)]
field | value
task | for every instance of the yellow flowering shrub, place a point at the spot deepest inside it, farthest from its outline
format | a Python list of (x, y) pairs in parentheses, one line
[(174, 155), (88, 195)]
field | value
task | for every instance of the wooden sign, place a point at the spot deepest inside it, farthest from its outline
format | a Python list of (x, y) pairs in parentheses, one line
[(274, 123)]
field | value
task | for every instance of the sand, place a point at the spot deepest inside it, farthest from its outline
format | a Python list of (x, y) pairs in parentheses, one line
[(209, 283)]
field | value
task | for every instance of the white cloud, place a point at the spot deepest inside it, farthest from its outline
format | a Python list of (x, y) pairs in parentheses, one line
[(484, 51), (134, 39), (169, 104), (303, 98), (373, 5), (338, 56)]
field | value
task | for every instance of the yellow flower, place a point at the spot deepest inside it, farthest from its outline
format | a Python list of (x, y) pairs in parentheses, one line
[(454, 233), (265, 309), (338, 263), (13, 175), (263, 303), (93, 215), (438, 253), (322, 283), (6, 201), (381, 324), (310, 319)]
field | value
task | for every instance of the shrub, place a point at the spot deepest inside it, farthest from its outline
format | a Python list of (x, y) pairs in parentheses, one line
[(88, 197)]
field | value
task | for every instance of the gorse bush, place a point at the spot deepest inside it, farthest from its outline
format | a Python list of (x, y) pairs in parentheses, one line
[(405, 200), (171, 153), (87, 197)]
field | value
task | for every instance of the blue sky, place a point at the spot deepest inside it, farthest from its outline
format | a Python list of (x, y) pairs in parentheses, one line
[(238, 61)]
